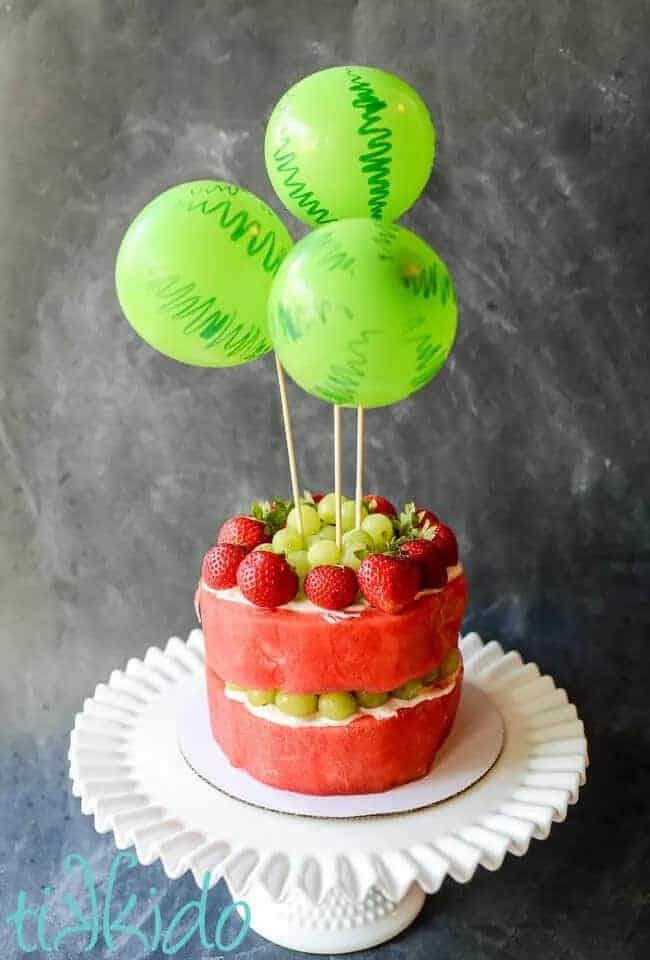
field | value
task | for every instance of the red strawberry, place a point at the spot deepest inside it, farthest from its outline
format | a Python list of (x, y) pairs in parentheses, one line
[(219, 567), (244, 531), (317, 497), (266, 579), (445, 542), (331, 587), (413, 519), (389, 583), (377, 504), (425, 552), (423, 515)]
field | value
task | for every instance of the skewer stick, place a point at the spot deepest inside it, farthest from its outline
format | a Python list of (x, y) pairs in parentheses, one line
[(358, 495), (293, 472), (337, 475)]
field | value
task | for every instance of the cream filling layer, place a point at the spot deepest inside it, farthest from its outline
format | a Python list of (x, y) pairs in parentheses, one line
[(387, 710), (235, 595)]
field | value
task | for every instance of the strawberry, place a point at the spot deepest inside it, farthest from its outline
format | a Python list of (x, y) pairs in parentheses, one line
[(244, 531), (425, 516), (443, 539), (425, 552), (389, 582), (377, 504), (219, 567), (266, 579), (317, 497), (272, 513), (413, 521), (331, 587)]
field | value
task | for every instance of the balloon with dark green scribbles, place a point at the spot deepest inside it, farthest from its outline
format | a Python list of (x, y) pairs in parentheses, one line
[(194, 271), (349, 142), (362, 313)]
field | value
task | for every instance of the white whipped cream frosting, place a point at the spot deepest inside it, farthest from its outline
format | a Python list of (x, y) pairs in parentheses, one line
[(235, 595), (388, 709)]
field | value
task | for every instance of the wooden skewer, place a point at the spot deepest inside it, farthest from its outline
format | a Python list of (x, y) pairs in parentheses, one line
[(337, 475), (358, 495), (293, 472)]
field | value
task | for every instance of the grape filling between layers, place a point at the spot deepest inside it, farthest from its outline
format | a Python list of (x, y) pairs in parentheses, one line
[(341, 708)]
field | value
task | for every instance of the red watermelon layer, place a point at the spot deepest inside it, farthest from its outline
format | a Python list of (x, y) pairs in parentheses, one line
[(306, 653), (365, 756)]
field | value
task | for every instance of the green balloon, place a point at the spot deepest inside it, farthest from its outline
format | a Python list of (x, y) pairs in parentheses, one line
[(362, 313), (349, 142), (194, 271)]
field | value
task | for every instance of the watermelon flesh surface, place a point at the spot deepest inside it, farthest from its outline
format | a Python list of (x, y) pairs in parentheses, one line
[(307, 653), (368, 755)]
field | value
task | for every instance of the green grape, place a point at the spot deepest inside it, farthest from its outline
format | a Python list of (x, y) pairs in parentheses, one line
[(356, 546), (367, 699), (299, 561), (310, 519), (348, 514), (360, 537), (325, 533), (265, 546), (337, 706), (450, 664), (379, 527), (408, 690), (260, 698), (431, 677), (296, 704), (327, 507), (350, 559), (287, 540), (234, 687), (323, 552)]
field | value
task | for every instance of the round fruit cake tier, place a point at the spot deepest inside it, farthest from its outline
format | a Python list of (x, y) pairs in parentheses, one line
[(375, 750), (301, 648), (332, 656)]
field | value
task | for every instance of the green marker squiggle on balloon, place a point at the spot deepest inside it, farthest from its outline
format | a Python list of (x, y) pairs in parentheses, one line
[(240, 225), (180, 300), (426, 284), (376, 163), (287, 323), (333, 255), (385, 238), (297, 189), (430, 357), (342, 380)]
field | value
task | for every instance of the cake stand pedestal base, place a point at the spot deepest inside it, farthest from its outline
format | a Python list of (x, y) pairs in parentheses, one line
[(337, 925), (319, 883)]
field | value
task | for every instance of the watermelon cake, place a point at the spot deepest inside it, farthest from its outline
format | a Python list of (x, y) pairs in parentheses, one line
[(332, 670)]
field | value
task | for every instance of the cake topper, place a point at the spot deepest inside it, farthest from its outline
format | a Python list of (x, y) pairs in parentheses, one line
[(194, 271), (193, 276), (361, 313), (349, 142)]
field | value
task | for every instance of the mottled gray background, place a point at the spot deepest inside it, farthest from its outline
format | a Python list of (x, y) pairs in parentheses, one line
[(116, 463)]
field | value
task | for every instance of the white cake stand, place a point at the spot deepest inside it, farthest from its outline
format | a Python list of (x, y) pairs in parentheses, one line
[(320, 885)]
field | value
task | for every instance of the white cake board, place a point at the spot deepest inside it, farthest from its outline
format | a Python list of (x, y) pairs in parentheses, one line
[(319, 884), (471, 749)]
